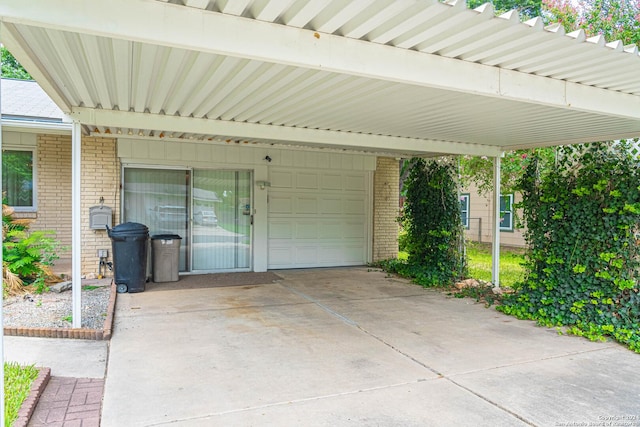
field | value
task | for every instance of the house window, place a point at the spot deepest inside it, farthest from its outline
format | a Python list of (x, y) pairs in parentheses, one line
[(464, 210), (506, 212), (18, 179)]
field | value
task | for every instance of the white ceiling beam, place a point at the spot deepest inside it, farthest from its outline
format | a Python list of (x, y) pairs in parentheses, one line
[(269, 42), (190, 125)]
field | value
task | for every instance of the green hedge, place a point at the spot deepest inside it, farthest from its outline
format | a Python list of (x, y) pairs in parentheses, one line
[(583, 258), (432, 230)]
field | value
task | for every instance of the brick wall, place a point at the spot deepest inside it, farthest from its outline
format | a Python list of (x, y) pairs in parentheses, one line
[(54, 189), (100, 178), (385, 208)]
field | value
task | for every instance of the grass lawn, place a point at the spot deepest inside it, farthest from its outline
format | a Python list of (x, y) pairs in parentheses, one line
[(17, 384), (511, 270), (479, 257)]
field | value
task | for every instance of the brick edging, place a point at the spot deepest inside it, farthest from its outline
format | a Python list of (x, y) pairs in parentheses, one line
[(76, 333), (29, 404)]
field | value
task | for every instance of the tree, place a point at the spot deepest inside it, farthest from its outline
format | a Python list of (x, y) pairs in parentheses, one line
[(11, 68), (479, 170), (613, 19), (526, 8)]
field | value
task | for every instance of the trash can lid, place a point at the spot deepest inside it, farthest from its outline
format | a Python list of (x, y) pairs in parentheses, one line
[(165, 237), (128, 229)]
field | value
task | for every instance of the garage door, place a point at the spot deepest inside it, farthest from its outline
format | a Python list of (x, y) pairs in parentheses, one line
[(317, 218)]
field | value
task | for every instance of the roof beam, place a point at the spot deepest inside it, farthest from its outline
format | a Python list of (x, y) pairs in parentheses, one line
[(190, 125), (223, 34)]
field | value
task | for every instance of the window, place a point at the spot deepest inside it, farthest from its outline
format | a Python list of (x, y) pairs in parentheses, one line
[(18, 179), (464, 210), (506, 212)]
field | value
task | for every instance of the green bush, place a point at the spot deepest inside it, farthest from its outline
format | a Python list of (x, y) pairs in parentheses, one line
[(583, 258), (433, 235), (28, 255)]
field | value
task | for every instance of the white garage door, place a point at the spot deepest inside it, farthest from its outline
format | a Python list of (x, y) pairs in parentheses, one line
[(317, 218)]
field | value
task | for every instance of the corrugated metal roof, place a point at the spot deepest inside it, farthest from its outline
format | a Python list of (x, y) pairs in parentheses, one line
[(439, 76)]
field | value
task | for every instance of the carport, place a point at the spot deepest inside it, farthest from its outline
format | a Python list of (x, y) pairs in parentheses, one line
[(396, 78)]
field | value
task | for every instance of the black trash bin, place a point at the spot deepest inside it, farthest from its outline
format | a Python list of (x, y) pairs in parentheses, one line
[(129, 243)]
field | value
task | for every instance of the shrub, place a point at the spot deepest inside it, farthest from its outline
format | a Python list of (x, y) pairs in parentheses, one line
[(583, 259), (27, 255), (431, 221)]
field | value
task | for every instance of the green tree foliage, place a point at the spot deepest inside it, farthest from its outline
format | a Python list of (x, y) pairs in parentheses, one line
[(613, 19), (431, 221), (526, 8), (11, 68), (479, 170), (583, 255)]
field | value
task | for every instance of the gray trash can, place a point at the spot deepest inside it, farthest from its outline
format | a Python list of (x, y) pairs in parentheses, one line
[(165, 257), (129, 248)]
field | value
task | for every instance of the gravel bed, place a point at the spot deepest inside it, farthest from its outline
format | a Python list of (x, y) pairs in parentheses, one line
[(53, 310)]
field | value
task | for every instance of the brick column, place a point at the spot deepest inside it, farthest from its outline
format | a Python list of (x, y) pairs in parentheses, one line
[(386, 194)]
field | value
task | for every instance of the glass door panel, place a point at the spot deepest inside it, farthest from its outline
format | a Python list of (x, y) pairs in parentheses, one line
[(221, 220), (159, 199)]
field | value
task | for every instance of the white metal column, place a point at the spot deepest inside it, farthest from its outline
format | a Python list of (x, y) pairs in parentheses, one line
[(76, 249), (495, 247)]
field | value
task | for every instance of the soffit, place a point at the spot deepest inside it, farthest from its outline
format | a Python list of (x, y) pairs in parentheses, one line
[(403, 76)]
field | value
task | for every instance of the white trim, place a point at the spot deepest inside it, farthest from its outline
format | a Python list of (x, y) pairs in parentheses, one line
[(35, 126), (318, 137)]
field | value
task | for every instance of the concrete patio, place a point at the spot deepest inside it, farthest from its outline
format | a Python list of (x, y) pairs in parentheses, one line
[(352, 346)]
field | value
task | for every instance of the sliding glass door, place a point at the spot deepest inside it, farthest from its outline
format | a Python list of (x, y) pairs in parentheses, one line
[(209, 209), (221, 220)]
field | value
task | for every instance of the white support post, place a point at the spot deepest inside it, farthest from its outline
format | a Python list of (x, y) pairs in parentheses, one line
[(1, 281), (495, 246), (76, 152)]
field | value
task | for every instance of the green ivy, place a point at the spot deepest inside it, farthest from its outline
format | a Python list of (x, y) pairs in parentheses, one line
[(582, 232), (432, 228)]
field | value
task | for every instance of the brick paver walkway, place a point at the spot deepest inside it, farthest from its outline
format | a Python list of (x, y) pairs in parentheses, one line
[(69, 402)]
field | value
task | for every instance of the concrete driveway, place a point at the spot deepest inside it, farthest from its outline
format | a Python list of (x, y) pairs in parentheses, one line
[(337, 347)]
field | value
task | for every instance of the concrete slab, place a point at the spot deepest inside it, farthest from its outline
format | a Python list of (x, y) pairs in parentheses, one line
[(429, 403), (596, 388), (247, 356), (65, 357), (440, 331), (350, 346)]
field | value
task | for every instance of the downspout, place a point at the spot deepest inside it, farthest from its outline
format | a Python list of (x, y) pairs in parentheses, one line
[(495, 244), (76, 250)]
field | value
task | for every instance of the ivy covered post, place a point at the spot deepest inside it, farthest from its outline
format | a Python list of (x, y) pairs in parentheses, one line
[(583, 233), (431, 220)]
